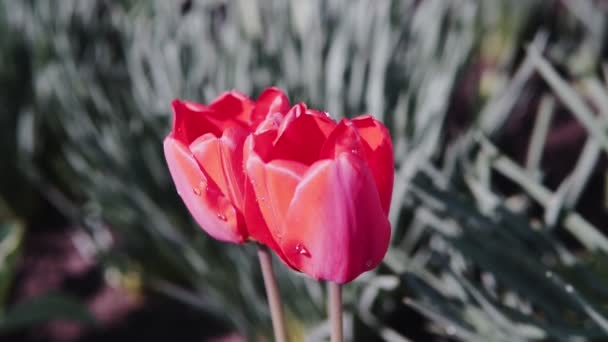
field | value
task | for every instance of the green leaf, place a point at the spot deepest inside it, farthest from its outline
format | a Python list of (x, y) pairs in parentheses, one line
[(11, 235)]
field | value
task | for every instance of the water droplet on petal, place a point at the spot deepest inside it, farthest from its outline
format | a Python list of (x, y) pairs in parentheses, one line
[(179, 193), (211, 190), (222, 217), (300, 249), (196, 191), (368, 263), (355, 151)]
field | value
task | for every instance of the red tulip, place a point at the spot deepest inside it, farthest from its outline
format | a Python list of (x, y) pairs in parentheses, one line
[(315, 191), (322, 190), (204, 152)]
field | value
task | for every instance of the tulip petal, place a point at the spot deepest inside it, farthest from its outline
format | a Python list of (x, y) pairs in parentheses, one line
[(272, 100), (343, 139), (319, 113), (190, 121), (233, 105), (335, 227), (379, 155), (301, 135), (211, 210), (274, 184), (265, 135), (257, 227), (222, 161)]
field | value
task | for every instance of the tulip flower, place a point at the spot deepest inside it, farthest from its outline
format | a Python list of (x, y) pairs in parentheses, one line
[(322, 191), (204, 152)]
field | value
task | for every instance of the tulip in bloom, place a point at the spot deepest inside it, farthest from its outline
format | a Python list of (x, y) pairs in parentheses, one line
[(204, 152), (315, 191), (322, 190)]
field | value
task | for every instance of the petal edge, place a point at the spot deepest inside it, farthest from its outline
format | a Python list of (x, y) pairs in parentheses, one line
[(210, 209)]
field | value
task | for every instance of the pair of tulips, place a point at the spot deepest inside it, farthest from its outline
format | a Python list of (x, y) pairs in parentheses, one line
[(314, 191)]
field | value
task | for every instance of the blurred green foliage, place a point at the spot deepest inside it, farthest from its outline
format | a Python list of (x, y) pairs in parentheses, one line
[(89, 85)]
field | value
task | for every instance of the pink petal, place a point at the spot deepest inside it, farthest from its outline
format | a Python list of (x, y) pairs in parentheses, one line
[(256, 224), (190, 121), (319, 113), (265, 135), (274, 184), (221, 159), (335, 227), (343, 139), (211, 210), (233, 105), (379, 155), (301, 135), (272, 100)]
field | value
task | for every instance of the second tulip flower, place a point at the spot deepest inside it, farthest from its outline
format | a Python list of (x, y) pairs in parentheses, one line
[(321, 190)]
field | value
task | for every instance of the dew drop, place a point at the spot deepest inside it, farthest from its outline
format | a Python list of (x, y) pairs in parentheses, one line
[(204, 186), (549, 274), (196, 191), (300, 249), (569, 288), (368, 263), (222, 217), (179, 193), (354, 151)]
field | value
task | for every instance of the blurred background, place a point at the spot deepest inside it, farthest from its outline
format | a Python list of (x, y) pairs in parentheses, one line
[(498, 111)]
